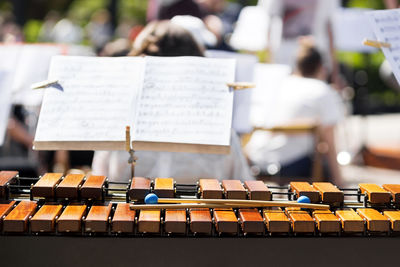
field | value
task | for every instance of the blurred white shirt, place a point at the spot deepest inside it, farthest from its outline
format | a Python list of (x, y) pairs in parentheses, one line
[(298, 100), (183, 167)]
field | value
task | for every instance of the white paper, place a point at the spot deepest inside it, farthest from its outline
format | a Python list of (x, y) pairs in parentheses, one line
[(268, 79), (245, 64), (96, 100), (33, 66), (349, 30), (9, 56), (186, 100), (386, 26), (251, 31)]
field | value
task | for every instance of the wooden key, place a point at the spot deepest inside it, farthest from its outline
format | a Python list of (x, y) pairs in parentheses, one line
[(258, 190), (46, 185), (376, 222), (375, 193), (4, 210), (93, 187), (326, 221), (305, 189), (71, 218), (225, 221), (124, 219), (394, 217), (351, 221), (251, 221), (149, 221), (6, 177), (140, 187), (97, 219), (301, 220), (200, 221), (17, 219), (68, 188), (276, 221), (175, 221), (329, 193), (44, 220), (394, 189), (210, 189), (164, 187), (233, 189)]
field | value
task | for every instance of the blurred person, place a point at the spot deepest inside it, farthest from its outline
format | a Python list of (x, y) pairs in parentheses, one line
[(117, 48), (10, 31), (67, 31), (167, 9), (167, 39), (46, 31), (99, 29), (305, 18), (302, 97)]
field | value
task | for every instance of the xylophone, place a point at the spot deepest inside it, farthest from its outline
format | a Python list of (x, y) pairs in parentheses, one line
[(57, 208)]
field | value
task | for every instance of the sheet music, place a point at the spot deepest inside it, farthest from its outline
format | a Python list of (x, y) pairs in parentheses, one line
[(245, 64), (386, 26), (186, 100), (9, 57), (96, 101)]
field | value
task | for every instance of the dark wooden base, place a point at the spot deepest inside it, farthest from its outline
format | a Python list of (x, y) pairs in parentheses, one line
[(198, 251)]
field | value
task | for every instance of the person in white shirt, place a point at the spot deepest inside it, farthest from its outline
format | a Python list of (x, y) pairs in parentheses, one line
[(303, 97), (168, 39)]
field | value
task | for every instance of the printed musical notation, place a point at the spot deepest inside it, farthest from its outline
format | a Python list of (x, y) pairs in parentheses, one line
[(385, 24), (96, 101), (185, 100)]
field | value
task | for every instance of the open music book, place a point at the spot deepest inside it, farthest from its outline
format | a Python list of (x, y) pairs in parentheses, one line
[(171, 104)]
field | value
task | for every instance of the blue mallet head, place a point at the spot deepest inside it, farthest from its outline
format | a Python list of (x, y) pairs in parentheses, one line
[(151, 199), (303, 199)]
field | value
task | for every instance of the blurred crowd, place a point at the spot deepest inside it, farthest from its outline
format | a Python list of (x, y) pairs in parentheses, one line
[(299, 34)]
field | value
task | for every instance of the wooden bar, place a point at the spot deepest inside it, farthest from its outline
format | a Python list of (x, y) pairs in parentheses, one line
[(149, 221), (326, 221), (200, 221), (394, 217), (225, 221), (276, 221), (69, 186), (376, 222), (233, 189), (394, 190), (5, 208), (210, 189), (6, 177), (375, 193), (164, 187), (93, 187), (329, 193), (258, 190), (305, 189), (140, 187), (251, 221), (44, 220), (71, 218), (351, 222), (97, 219), (175, 221), (46, 185), (301, 220), (17, 219), (124, 219)]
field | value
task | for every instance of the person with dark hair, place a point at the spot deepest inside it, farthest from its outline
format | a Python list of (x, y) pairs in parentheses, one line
[(304, 97), (164, 38)]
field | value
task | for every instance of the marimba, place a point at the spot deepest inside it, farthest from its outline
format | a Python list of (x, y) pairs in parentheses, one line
[(55, 208), (77, 205)]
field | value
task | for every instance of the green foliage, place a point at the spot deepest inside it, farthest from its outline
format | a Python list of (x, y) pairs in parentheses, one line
[(31, 30)]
